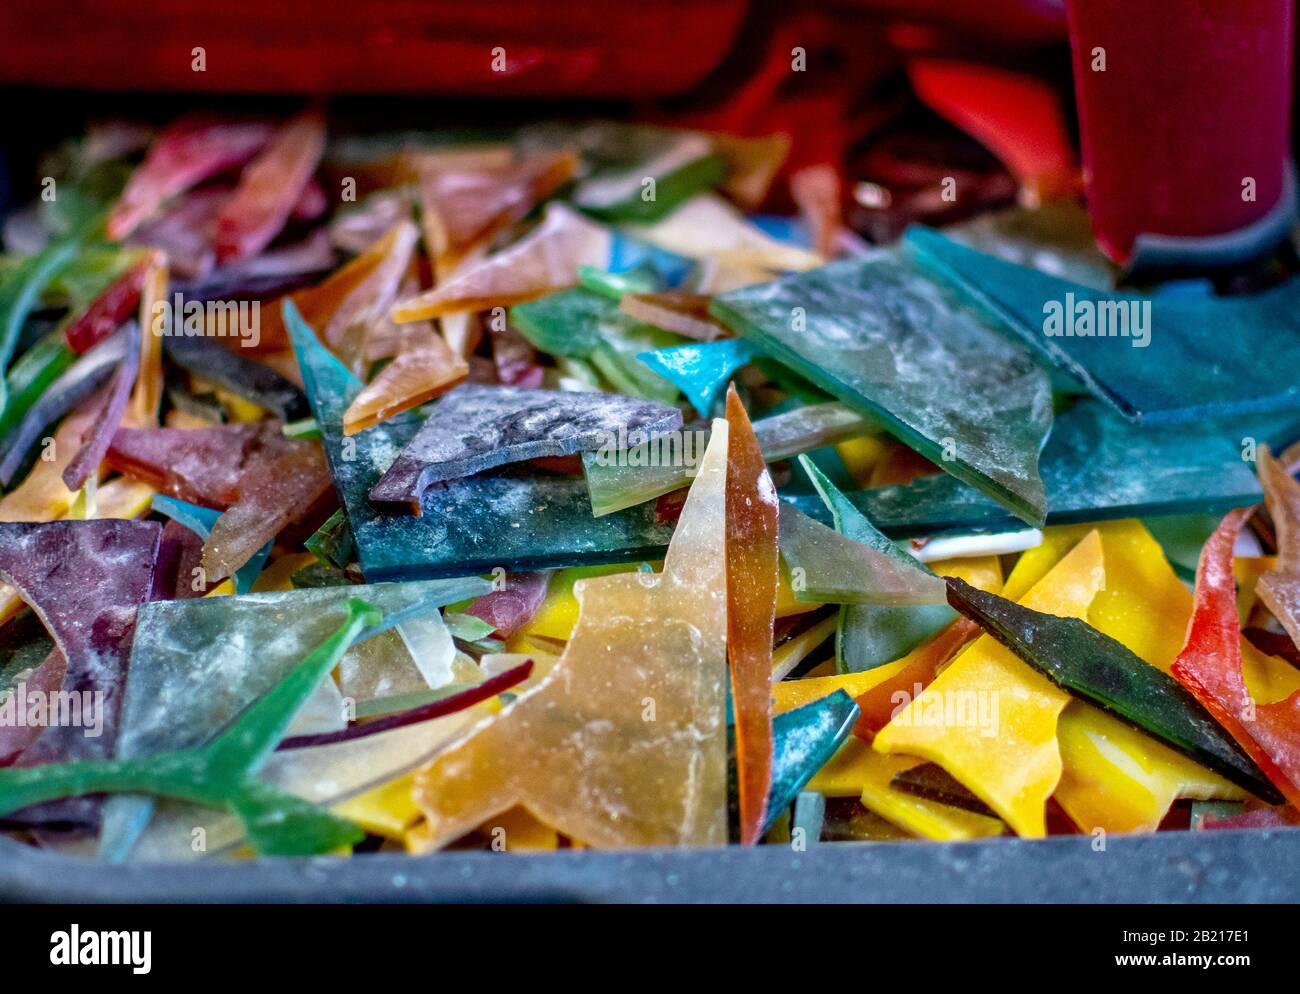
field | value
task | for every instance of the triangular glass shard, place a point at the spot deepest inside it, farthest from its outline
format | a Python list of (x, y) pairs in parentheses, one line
[(1096, 466), (511, 520), (701, 370)]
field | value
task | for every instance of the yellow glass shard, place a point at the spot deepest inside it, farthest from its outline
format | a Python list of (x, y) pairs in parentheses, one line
[(989, 719), (616, 758), (1118, 779)]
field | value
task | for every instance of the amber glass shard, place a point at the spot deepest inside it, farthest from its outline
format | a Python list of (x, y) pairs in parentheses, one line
[(751, 611), (424, 368), (581, 751)]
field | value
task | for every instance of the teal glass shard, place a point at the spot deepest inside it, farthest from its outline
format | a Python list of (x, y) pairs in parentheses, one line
[(701, 370), (200, 520), (514, 519), (1172, 358), (803, 741), (881, 334), (871, 635), (1096, 466), (618, 480)]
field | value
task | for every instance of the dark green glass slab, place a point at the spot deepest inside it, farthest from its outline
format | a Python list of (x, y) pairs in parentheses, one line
[(1096, 466), (512, 520), (803, 741), (881, 334), (1096, 668), (1204, 356)]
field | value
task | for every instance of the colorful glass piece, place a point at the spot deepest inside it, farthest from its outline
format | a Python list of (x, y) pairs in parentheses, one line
[(507, 520), (577, 751), (108, 310), (85, 579), (475, 428), (644, 472), (462, 209), (1008, 757), (676, 311), (830, 568), (189, 151), (1097, 668), (545, 260), (200, 520), (701, 370), (752, 566), (881, 336), (425, 367), (514, 605), (112, 406), (1110, 342), (269, 188), (804, 740), (1210, 667)]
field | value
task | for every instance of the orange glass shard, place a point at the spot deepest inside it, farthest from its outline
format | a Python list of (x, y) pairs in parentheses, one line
[(616, 758), (425, 367), (1279, 589), (752, 567), (543, 261), (752, 164), (463, 209)]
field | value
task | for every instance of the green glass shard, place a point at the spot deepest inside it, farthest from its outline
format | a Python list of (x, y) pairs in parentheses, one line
[(884, 336), (19, 292), (331, 543), (1162, 359), (618, 480), (827, 567), (34, 370), (870, 635), (1096, 668), (222, 774)]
